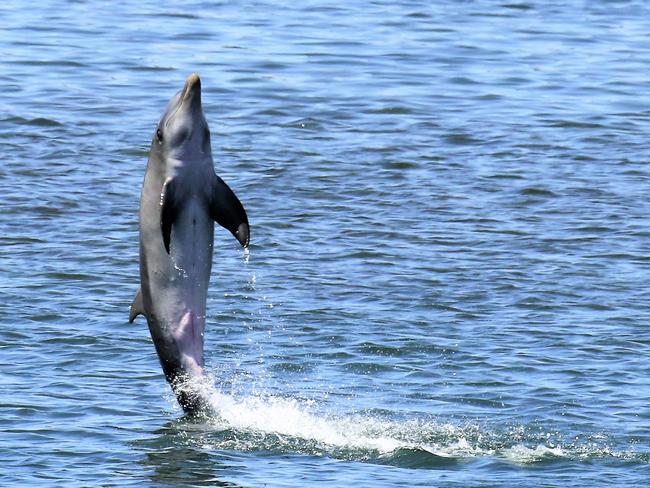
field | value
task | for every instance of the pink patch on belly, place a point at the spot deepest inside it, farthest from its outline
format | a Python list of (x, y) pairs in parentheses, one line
[(189, 338)]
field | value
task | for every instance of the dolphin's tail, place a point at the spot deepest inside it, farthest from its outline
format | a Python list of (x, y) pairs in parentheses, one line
[(192, 394), (181, 358)]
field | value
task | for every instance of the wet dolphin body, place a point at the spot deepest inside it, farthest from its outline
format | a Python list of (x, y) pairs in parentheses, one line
[(181, 197)]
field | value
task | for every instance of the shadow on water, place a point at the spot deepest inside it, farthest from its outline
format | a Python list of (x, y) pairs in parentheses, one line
[(174, 456)]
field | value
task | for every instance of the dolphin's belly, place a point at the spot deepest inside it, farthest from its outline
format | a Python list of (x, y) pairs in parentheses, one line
[(190, 255), (177, 283)]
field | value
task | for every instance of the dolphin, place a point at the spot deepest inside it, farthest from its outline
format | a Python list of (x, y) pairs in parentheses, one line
[(181, 199)]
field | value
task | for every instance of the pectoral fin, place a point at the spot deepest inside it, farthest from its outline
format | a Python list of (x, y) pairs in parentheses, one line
[(137, 307), (168, 211), (227, 211)]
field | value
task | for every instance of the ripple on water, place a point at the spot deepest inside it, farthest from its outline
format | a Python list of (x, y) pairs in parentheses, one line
[(448, 268)]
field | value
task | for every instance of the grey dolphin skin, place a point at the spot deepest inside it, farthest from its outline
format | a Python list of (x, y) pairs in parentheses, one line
[(181, 199)]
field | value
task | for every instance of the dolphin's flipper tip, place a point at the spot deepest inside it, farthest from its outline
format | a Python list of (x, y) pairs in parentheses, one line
[(243, 234), (168, 211), (166, 237), (227, 211)]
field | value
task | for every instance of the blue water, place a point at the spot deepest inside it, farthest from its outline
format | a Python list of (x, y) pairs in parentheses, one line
[(450, 244)]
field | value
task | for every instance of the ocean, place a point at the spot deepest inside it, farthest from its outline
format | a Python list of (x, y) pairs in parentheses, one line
[(450, 244)]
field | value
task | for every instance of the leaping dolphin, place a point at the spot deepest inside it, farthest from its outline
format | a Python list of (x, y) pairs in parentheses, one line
[(181, 197)]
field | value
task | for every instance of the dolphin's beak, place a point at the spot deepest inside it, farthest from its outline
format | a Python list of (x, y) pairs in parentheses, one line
[(192, 90)]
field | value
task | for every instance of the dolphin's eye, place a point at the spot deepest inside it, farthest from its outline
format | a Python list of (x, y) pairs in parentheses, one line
[(159, 135)]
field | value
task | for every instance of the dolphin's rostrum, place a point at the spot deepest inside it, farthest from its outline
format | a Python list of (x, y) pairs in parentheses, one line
[(181, 197)]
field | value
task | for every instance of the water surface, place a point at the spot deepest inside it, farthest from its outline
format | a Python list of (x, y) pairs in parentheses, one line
[(446, 284)]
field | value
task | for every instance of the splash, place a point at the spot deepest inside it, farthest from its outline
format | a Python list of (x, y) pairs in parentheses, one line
[(270, 423)]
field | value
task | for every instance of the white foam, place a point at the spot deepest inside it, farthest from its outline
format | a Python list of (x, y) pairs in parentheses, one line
[(291, 418), (258, 421), (291, 423), (521, 454)]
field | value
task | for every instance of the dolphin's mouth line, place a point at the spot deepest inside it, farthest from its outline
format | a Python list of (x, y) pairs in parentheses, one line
[(175, 112), (184, 95)]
